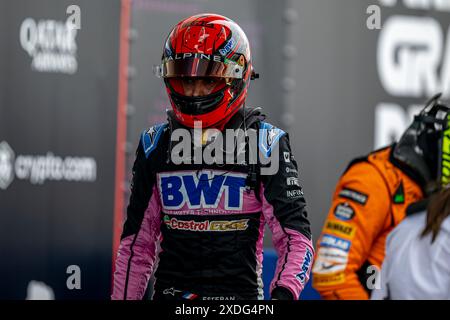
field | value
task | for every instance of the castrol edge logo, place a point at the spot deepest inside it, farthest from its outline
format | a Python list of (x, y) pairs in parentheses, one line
[(206, 225)]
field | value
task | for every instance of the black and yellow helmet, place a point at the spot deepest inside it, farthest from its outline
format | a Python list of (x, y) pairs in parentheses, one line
[(425, 146)]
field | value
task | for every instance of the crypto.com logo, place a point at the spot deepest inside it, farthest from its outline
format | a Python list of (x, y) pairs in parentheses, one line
[(6, 165), (37, 169)]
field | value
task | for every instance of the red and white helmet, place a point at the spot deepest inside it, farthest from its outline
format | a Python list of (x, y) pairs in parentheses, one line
[(207, 45)]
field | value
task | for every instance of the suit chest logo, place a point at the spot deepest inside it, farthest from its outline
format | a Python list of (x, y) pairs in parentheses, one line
[(202, 189)]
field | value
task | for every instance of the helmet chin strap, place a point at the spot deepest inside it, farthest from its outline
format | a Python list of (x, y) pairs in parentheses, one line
[(197, 105)]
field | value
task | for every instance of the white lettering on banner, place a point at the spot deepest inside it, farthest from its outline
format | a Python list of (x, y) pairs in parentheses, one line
[(388, 3), (51, 45), (38, 169), (410, 51), (413, 61), (438, 5), (391, 120)]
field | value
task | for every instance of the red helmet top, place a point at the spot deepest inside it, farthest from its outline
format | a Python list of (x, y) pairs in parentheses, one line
[(207, 45)]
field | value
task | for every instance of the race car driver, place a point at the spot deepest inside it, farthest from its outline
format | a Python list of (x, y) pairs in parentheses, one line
[(199, 227), (370, 199), (416, 265)]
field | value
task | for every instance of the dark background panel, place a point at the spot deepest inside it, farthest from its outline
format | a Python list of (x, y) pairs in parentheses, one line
[(319, 77), (334, 95), (2, 60), (49, 226), (338, 88), (319, 81)]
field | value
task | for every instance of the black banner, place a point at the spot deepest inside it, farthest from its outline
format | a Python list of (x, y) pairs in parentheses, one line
[(58, 118)]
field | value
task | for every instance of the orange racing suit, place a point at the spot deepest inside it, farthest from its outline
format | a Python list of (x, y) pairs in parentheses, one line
[(369, 201)]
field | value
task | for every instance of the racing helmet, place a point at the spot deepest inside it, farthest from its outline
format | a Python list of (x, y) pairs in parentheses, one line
[(207, 45), (425, 145)]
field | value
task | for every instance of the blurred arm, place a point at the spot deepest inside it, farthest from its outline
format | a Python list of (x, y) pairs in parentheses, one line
[(137, 251), (357, 215), (284, 209)]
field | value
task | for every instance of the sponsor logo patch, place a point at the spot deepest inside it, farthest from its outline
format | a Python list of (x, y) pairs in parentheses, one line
[(287, 157), (227, 48), (305, 266), (291, 170), (399, 196), (330, 241), (203, 190), (335, 254), (354, 195), (190, 296), (219, 298), (329, 279), (294, 193), (340, 228), (206, 225), (330, 260), (172, 291), (292, 181), (344, 211)]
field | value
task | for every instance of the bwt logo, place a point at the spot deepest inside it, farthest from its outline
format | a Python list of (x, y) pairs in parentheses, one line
[(305, 266), (227, 47), (6, 165), (204, 190)]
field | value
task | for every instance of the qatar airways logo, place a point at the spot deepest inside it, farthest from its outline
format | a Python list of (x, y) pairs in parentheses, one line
[(413, 61), (51, 45), (202, 189)]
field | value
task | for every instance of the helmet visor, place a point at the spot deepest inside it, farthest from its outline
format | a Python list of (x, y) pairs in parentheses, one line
[(200, 65)]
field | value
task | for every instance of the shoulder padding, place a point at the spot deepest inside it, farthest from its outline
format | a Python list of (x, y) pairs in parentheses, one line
[(268, 137), (365, 158), (150, 137), (355, 161)]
